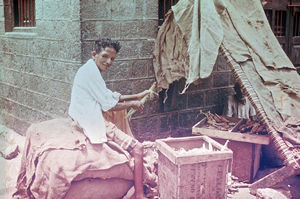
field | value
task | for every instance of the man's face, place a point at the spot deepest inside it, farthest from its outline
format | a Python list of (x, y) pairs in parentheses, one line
[(104, 58)]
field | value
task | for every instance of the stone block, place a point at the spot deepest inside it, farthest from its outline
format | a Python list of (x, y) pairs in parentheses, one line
[(123, 9), (119, 71), (196, 99), (34, 84), (55, 70), (232, 79), (42, 47), (95, 9), (7, 60), (9, 45), (147, 48), (5, 105), (12, 93), (130, 49), (212, 97), (56, 107), (16, 124), (3, 90), (71, 70), (57, 89), (164, 126), (152, 106), (14, 78), (203, 84), (37, 67), (149, 124), (173, 120), (151, 10), (57, 50), (63, 30), (139, 68), (86, 50), (132, 86), (25, 64), (151, 72), (60, 9), (129, 29), (147, 28), (217, 97), (140, 9), (93, 30), (31, 47), (187, 118), (220, 79)]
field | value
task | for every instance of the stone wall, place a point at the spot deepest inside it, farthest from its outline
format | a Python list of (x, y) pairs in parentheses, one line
[(180, 112), (37, 65), (135, 24)]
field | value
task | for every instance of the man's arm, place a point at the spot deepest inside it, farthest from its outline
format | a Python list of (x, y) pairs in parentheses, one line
[(121, 105), (137, 96)]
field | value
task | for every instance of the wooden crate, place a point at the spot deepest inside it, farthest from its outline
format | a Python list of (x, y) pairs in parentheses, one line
[(192, 175), (246, 148)]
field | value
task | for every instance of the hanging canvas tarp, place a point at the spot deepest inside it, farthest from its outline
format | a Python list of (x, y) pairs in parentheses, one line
[(188, 43)]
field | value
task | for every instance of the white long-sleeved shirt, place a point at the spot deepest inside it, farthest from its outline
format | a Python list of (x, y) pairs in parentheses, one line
[(89, 98), (239, 110)]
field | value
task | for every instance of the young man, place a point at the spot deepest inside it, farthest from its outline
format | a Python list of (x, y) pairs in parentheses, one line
[(90, 97)]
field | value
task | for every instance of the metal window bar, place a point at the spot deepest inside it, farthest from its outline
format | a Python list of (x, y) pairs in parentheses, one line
[(26, 13), (164, 7), (296, 27), (280, 23)]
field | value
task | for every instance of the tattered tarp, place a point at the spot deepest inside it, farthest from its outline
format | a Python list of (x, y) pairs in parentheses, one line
[(194, 30), (56, 153)]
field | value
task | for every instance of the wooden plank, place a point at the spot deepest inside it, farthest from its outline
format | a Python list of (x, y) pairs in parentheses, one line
[(257, 139), (166, 150), (274, 178), (215, 133), (203, 157)]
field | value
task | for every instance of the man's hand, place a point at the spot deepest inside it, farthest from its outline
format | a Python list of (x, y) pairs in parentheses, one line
[(143, 94), (137, 105)]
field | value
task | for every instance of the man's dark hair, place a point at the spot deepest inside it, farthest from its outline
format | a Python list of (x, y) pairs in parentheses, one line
[(106, 42)]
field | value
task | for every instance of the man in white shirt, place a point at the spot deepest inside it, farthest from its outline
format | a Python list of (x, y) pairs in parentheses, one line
[(90, 97)]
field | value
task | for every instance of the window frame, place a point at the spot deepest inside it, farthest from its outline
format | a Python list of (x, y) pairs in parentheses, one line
[(11, 11)]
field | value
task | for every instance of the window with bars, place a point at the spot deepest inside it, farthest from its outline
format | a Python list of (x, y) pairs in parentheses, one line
[(19, 13), (24, 14), (280, 23)]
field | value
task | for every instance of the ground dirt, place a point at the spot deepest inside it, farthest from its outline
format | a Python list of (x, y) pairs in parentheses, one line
[(288, 189)]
